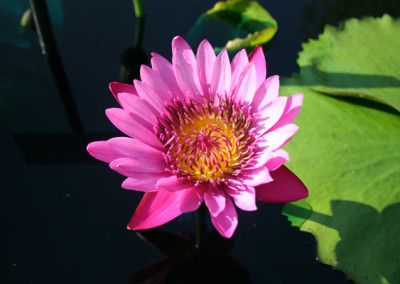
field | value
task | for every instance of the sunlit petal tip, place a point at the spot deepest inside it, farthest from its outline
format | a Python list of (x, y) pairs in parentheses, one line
[(258, 58), (118, 88), (204, 42), (179, 43)]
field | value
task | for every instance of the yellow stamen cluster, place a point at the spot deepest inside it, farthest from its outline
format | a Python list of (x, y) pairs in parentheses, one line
[(204, 142)]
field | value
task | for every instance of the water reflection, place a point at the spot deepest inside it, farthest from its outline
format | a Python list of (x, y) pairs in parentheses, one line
[(183, 263)]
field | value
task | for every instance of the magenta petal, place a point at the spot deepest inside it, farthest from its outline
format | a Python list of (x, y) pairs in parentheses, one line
[(149, 95), (246, 87), (292, 108), (102, 151), (239, 63), (191, 199), (258, 58), (151, 78), (163, 67), (172, 183), (185, 68), (143, 181), (156, 209), (254, 177), (269, 115), (205, 62), (215, 200), (133, 148), (227, 221), (266, 93), (125, 122), (280, 157), (118, 88), (277, 138), (221, 75), (245, 198), (138, 110), (286, 187), (127, 166)]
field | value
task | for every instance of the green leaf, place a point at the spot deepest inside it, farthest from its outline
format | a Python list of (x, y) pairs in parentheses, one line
[(360, 59), (245, 18), (348, 156)]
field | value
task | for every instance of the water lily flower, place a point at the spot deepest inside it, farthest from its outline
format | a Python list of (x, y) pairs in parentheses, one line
[(202, 128)]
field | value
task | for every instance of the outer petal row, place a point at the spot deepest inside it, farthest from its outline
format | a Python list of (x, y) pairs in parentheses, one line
[(121, 147), (158, 208)]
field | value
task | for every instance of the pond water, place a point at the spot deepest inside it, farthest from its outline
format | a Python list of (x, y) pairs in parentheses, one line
[(64, 214)]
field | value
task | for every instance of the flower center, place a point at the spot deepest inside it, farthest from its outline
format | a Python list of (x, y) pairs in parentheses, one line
[(206, 143)]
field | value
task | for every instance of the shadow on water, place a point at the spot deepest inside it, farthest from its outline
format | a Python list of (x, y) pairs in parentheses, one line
[(366, 237)]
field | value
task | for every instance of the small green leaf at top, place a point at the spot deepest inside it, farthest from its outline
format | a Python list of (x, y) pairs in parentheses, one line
[(247, 24)]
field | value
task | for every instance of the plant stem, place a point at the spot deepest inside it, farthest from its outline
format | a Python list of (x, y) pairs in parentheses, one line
[(49, 48), (139, 13), (139, 10), (200, 226)]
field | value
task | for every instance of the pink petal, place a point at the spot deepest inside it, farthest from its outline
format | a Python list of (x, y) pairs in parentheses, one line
[(102, 151), (215, 200), (266, 93), (245, 198), (239, 63), (129, 167), (155, 102), (191, 199), (286, 187), (246, 87), (270, 159), (138, 110), (164, 68), (227, 221), (133, 148), (269, 115), (118, 88), (153, 79), (156, 209), (278, 137), (125, 122), (280, 157), (221, 75), (292, 108), (261, 157), (258, 58), (143, 181), (205, 62), (254, 177), (185, 68), (173, 184)]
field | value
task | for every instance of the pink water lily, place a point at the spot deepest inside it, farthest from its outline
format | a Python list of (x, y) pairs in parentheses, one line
[(202, 129)]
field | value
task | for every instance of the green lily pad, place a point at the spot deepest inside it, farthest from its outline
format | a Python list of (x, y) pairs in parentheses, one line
[(250, 23), (361, 58), (347, 152)]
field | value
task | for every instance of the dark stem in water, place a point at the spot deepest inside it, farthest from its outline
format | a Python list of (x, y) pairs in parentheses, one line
[(200, 226), (49, 48)]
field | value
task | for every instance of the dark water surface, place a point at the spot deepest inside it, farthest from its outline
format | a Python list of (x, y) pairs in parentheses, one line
[(64, 218)]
